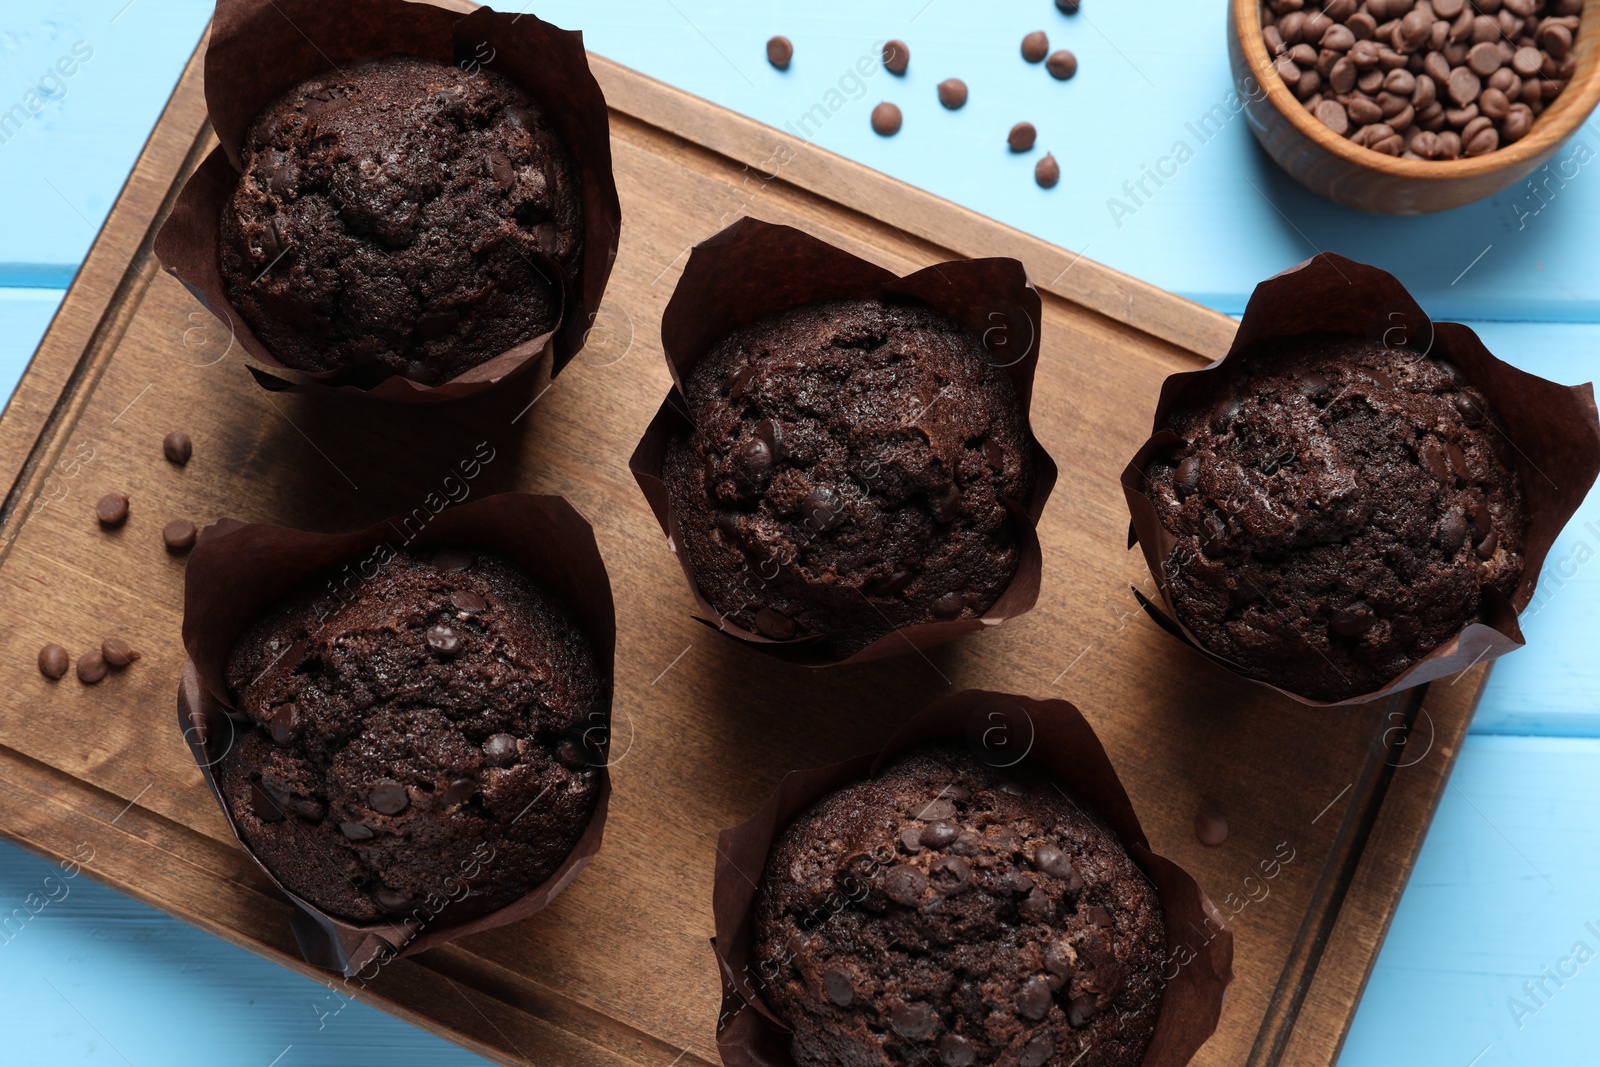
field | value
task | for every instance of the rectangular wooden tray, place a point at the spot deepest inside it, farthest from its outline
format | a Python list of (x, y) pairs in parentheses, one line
[(619, 970)]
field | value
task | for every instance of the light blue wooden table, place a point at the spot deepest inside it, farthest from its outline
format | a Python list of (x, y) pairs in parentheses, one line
[(1488, 962)]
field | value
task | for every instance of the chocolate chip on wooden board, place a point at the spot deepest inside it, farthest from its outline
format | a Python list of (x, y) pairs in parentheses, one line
[(780, 51), (117, 652), (92, 667), (179, 536), (1424, 79), (112, 510), (177, 446), (54, 662), (886, 119)]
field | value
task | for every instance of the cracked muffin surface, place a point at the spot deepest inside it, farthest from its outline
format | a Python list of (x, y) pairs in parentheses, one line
[(402, 217), (848, 473), (1341, 509), (948, 913), (432, 737)]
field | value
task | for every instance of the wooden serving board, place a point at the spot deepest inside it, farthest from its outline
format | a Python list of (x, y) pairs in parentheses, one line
[(619, 971)]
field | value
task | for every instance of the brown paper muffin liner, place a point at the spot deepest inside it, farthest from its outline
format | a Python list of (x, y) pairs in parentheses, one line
[(1003, 730), (1553, 429), (753, 269), (259, 49), (239, 570)]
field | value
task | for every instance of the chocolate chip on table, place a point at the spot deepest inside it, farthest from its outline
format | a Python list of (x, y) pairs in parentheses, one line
[(92, 667), (1047, 172), (953, 94), (112, 510), (177, 447), (53, 662), (1022, 137), (1210, 828), (896, 57), (117, 652), (1035, 47), (780, 51), (886, 119), (179, 535), (1061, 65)]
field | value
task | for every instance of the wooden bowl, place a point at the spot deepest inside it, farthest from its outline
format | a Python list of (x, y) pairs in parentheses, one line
[(1357, 177)]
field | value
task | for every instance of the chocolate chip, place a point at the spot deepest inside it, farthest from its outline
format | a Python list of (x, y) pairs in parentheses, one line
[(452, 559), (896, 57), (1035, 907), (1061, 65), (949, 605), (1486, 550), (501, 172), (780, 51), (1187, 477), (774, 624), (753, 457), (953, 94), (840, 989), (1038, 1051), (1210, 828), (443, 639), (1481, 520), (468, 602), (913, 1020), (179, 535), (1035, 46), (389, 900), (994, 455), (92, 668), (1332, 114), (939, 834), (1452, 531), (357, 831), (957, 1051), (1099, 916), (1354, 619), (1052, 861), (739, 381), (264, 804), (904, 885), (1022, 137), (1433, 456), (886, 119), (1463, 86), (823, 508), (388, 797), (53, 662), (1059, 959), (1067, 7), (911, 839), (1033, 1000), (954, 874), (112, 509), (1080, 1012), (460, 791), (500, 750), (281, 723), (117, 652), (1047, 172), (177, 447)]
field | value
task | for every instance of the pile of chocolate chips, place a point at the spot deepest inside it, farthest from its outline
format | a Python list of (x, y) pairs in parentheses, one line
[(1430, 79)]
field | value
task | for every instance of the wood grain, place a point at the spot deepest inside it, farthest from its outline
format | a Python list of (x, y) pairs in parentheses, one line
[(1339, 169), (618, 970)]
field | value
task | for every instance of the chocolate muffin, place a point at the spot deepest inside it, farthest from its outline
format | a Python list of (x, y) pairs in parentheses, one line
[(948, 913), (1341, 509), (427, 734), (848, 473), (402, 217)]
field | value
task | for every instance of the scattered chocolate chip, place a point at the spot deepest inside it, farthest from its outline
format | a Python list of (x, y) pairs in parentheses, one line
[(904, 885), (953, 94), (1059, 959), (443, 639), (1035, 46), (840, 989), (1033, 999), (264, 804), (896, 57), (823, 508), (994, 455), (1047, 172), (886, 119), (940, 834), (357, 831), (468, 602), (1061, 65), (53, 662), (1048, 859), (739, 381), (957, 1051), (500, 750), (1035, 907), (953, 873), (780, 51), (179, 535), (117, 652), (1211, 828), (950, 604), (389, 900), (460, 791), (177, 447), (1486, 550), (1022, 137), (753, 457), (92, 667), (282, 723), (1080, 1012), (771, 622), (1038, 1051), (914, 1020), (1187, 477), (388, 797), (112, 509), (911, 839)]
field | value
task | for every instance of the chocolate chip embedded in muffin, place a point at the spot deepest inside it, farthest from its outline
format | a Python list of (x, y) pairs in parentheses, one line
[(402, 217), (382, 769), (1341, 509), (849, 473), (944, 913)]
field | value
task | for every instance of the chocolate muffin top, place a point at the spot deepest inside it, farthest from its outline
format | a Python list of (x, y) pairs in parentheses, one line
[(948, 913), (848, 473), (433, 732), (1341, 509), (402, 217)]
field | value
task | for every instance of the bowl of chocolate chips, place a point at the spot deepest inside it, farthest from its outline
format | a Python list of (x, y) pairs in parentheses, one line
[(1405, 107)]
